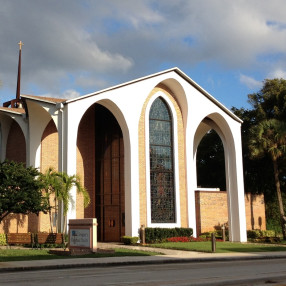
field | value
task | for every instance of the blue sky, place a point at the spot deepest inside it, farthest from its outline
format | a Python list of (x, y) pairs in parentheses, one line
[(72, 47)]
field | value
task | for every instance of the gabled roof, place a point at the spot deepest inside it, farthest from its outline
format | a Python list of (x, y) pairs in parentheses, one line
[(17, 111), (51, 100), (176, 70)]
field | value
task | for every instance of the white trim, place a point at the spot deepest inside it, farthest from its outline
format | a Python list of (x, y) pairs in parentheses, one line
[(176, 163)]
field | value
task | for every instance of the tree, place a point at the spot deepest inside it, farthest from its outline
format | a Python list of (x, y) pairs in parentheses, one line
[(59, 184), (67, 183), (210, 162), (258, 176), (269, 137), (20, 190), (270, 101), (52, 185)]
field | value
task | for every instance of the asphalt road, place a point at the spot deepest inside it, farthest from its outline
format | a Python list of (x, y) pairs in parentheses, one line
[(255, 272)]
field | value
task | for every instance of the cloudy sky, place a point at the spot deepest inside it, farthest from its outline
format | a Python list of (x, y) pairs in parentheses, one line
[(72, 47)]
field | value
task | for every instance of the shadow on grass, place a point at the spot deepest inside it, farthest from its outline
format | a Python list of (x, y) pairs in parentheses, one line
[(254, 249), (43, 254)]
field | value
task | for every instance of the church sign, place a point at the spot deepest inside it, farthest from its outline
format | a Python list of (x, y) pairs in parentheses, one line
[(83, 235)]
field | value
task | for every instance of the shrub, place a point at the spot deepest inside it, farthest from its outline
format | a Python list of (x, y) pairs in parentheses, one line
[(158, 234), (3, 240), (268, 233), (129, 240), (253, 234), (256, 233)]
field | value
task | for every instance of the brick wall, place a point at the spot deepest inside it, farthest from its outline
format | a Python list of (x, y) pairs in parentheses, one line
[(49, 158), (255, 211), (15, 151), (212, 211), (86, 162), (181, 158), (50, 147), (16, 144)]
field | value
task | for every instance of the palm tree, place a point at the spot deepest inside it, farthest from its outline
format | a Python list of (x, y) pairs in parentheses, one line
[(67, 183), (52, 185), (269, 137)]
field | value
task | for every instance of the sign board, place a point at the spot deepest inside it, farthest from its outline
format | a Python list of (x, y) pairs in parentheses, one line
[(80, 237), (83, 234)]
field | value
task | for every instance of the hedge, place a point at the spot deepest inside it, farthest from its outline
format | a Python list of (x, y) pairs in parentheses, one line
[(158, 234), (129, 240), (256, 233)]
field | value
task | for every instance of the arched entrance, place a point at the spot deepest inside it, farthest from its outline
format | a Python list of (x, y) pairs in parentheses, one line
[(109, 176)]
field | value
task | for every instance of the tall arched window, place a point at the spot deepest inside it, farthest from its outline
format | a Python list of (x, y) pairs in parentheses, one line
[(161, 163)]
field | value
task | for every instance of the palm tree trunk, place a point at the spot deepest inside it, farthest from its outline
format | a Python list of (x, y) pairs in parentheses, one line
[(279, 196)]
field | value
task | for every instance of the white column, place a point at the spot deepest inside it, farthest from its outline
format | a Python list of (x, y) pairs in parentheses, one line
[(69, 152), (236, 201)]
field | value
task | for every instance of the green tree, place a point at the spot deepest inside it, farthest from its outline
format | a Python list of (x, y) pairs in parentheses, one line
[(258, 176), (67, 183), (269, 138), (51, 185), (270, 101), (20, 190)]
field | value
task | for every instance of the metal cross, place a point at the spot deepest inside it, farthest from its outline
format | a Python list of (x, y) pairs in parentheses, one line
[(20, 44)]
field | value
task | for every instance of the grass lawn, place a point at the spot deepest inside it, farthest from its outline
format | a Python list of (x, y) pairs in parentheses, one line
[(221, 247), (43, 254)]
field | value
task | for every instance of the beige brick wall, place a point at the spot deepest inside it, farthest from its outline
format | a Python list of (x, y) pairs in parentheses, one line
[(49, 147), (49, 158), (181, 158), (212, 211), (255, 211)]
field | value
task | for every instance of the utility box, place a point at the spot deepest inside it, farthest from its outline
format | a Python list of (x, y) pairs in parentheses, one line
[(83, 235)]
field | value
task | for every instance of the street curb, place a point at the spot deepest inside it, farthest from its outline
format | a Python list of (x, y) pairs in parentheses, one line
[(139, 262)]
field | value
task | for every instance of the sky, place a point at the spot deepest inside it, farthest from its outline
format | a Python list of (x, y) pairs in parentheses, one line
[(72, 48)]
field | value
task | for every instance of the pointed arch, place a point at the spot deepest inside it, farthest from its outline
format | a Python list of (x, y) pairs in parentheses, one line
[(233, 169), (161, 156)]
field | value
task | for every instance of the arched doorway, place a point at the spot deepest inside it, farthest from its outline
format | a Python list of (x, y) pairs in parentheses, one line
[(109, 176)]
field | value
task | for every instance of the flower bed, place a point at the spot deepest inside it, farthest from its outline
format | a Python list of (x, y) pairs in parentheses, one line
[(188, 239)]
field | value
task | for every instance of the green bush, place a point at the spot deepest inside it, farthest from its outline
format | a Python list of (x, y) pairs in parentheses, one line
[(158, 234), (3, 240), (253, 234), (129, 240), (268, 233), (256, 233)]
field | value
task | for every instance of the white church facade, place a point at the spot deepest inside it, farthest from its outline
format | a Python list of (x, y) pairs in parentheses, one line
[(134, 146)]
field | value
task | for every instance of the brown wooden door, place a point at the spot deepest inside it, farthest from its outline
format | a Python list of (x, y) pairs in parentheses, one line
[(109, 183)]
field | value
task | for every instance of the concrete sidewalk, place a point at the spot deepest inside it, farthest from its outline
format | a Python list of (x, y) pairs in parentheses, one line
[(168, 256)]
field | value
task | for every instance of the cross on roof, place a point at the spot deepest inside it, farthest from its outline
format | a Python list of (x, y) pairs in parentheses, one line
[(20, 45)]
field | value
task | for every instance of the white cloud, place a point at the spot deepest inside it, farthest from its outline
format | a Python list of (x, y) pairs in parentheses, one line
[(279, 73), (85, 45), (67, 94), (250, 82), (70, 93)]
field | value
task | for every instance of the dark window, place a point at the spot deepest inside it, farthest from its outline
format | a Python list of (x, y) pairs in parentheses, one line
[(161, 163)]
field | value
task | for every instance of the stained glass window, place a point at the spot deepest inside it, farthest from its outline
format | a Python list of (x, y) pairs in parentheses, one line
[(161, 163)]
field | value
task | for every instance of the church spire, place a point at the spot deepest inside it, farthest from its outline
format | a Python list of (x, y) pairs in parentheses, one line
[(19, 71), (15, 103)]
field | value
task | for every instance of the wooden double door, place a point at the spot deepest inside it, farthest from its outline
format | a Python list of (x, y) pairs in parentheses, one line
[(109, 176)]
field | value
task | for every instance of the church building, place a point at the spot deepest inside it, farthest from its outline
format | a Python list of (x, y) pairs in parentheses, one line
[(134, 146)]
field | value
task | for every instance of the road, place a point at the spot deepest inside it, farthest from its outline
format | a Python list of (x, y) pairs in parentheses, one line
[(255, 272)]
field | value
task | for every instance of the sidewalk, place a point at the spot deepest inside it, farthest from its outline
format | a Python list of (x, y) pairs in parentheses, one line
[(168, 256)]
